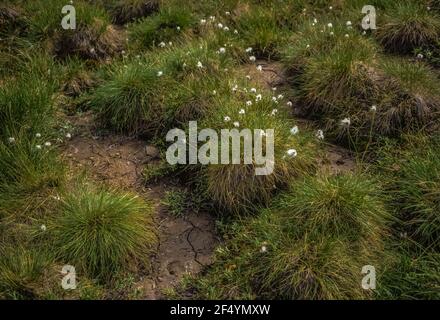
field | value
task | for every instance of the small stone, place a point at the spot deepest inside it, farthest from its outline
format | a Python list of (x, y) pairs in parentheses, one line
[(152, 151)]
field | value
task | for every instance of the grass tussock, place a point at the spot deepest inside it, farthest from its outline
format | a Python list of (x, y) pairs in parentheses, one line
[(260, 30), (407, 26), (236, 188), (95, 41), (166, 25), (101, 232), (128, 11), (305, 246)]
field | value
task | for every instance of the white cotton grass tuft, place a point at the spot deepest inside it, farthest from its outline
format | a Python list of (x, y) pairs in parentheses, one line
[(38, 135), (258, 97), (159, 73), (292, 153), (253, 90), (38, 147), (345, 122), (248, 50), (241, 111), (227, 119), (11, 140), (249, 103), (48, 144), (199, 65), (320, 134), (294, 130), (252, 58), (43, 227), (260, 68), (236, 124), (289, 103)]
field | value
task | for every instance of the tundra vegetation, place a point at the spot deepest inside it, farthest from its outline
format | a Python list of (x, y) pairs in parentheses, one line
[(144, 67)]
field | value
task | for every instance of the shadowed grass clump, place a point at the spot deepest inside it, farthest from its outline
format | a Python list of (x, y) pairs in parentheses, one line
[(101, 232), (407, 26), (20, 272), (77, 77), (410, 100), (12, 20), (414, 181), (93, 38), (124, 11), (311, 244), (95, 41)]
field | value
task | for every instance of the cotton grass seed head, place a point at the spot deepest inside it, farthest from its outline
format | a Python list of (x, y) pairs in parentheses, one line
[(292, 153), (294, 130)]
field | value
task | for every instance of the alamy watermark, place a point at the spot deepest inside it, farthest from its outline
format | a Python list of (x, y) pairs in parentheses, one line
[(69, 20), (223, 150), (69, 280), (369, 280), (369, 21)]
